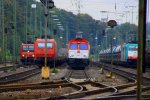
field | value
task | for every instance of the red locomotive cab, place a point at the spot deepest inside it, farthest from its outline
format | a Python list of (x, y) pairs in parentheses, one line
[(27, 53), (27, 50), (40, 50)]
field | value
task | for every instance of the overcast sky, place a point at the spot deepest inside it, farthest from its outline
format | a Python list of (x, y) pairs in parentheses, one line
[(119, 10)]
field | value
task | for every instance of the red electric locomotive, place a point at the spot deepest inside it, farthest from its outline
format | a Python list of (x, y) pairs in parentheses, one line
[(39, 51), (27, 53)]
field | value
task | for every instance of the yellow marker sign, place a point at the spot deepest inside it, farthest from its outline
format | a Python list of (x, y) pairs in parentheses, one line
[(45, 72)]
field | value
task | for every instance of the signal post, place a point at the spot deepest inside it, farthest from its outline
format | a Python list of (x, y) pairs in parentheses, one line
[(49, 4)]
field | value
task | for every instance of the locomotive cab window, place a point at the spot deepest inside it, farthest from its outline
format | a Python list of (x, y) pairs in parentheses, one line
[(25, 48), (133, 48), (83, 46), (31, 48), (42, 45), (73, 46), (49, 45)]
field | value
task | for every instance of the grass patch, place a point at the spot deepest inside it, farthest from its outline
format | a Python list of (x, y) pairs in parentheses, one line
[(54, 70)]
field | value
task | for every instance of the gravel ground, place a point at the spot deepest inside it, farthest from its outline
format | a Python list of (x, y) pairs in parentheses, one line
[(95, 74), (132, 70), (8, 64), (38, 93), (37, 78)]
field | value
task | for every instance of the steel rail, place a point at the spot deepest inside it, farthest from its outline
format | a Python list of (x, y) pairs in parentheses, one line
[(19, 76)]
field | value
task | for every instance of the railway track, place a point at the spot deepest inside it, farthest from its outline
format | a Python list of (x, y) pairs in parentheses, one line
[(132, 77), (37, 86), (9, 67), (85, 89), (31, 91), (5, 68), (102, 92), (77, 74), (19, 76), (124, 97)]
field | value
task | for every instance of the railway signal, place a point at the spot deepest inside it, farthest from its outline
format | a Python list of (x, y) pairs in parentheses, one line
[(111, 23), (49, 4)]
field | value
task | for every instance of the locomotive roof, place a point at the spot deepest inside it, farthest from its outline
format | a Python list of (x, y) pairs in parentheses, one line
[(78, 39), (26, 44), (130, 44), (43, 40)]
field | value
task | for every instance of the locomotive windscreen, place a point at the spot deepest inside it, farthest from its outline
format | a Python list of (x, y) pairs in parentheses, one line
[(42, 45), (25, 48), (83, 46), (31, 48), (28, 48), (73, 46), (133, 48)]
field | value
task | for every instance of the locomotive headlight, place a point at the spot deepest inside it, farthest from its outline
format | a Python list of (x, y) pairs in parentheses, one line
[(22, 55), (32, 55)]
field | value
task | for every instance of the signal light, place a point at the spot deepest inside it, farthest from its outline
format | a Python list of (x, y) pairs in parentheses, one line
[(50, 3), (111, 23)]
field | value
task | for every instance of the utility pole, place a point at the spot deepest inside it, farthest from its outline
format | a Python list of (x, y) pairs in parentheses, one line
[(26, 24), (132, 7), (126, 14), (3, 44), (141, 45), (14, 37), (1, 31), (34, 15), (96, 46), (105, 19), (31, 27), (35, 24), (67, 34), (26, 20), (40, 21)]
